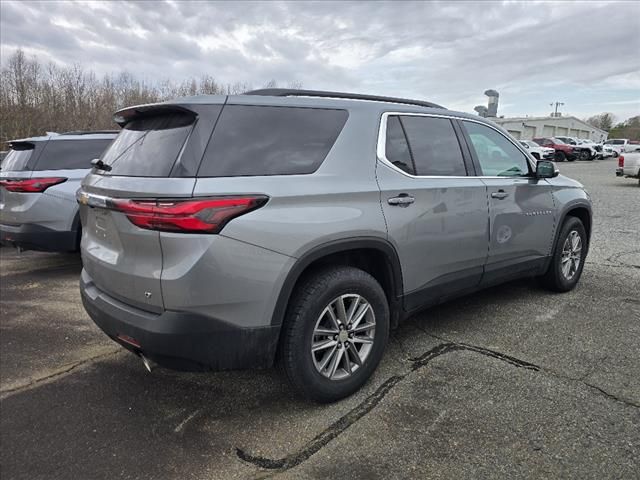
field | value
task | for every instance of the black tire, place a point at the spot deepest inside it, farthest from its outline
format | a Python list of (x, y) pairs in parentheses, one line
[(314, 293), (78, 238), (615, 154), (559, 156), (535, 155), (584, 155), (554, 279)]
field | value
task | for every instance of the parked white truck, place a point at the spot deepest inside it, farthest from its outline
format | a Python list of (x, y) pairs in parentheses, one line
[(629, 166), (618, 146)]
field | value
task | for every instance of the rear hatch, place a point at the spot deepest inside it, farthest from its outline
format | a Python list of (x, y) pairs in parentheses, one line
[(139, 168)]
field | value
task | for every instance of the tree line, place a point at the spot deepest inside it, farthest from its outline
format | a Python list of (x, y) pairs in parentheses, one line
[(36, 98), (630, 128)]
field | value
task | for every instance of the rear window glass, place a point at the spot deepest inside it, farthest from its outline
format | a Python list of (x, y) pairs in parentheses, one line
[(253, 140), (70, 154), (17, 158), (148, 146)]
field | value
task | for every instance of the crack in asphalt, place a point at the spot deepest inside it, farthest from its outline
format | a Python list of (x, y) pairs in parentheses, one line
[(611, 396), (344, 422), (60, 372), (561, 376), (359, 411)]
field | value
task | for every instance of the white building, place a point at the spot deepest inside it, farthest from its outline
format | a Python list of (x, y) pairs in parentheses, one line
[(527, 128)]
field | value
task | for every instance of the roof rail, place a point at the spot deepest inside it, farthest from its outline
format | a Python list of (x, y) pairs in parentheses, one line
[(89, 132), (286, 92)]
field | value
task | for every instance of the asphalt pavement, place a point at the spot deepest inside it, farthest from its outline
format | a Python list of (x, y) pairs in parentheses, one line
[(511, 382)]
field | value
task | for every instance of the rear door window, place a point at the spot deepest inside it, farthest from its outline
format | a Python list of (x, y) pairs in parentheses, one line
[(264, 140), (62, 154), (148, 146), (434, 146), (396, 146)]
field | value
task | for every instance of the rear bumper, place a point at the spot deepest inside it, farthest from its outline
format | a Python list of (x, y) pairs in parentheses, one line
[(36, 237), (179, 340)]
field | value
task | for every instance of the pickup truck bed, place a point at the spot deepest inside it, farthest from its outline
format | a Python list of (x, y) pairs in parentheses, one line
[(629, 166)]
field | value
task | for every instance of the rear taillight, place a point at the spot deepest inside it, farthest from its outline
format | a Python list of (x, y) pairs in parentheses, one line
[(621, 161), (31, 185), (208, 215)]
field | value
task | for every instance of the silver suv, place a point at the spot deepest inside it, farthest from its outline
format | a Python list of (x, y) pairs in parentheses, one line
[(298, 227), (39, 180)]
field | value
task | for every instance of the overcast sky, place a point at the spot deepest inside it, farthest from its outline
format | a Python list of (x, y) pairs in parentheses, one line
[(583, 54)]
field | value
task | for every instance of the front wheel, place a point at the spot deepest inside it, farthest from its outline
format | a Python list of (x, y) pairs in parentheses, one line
[(335, 333), (568, 257), (615, 154)]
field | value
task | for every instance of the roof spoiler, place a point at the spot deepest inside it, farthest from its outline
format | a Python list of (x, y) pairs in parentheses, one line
[(21, 145), (124, 116), (89, 132)]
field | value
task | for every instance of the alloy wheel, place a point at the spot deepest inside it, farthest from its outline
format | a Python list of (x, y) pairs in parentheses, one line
[(571, 255), (343, 336)]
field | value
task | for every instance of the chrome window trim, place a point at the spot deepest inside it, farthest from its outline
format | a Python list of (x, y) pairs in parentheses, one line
[(382, 144)]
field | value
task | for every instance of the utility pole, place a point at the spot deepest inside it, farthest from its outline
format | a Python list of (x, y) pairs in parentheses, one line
[(555, 113)]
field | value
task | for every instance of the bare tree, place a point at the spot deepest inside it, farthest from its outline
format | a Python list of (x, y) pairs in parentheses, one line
[(36, 98), (603, 121)]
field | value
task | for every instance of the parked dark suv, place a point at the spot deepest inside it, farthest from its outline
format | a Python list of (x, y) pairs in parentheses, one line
[(298, 227)]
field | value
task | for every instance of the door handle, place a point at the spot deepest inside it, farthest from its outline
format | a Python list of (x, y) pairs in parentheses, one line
[(500, 195), (402, 200)]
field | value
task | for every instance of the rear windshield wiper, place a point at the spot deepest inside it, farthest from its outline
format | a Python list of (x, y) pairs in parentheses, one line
[(100, 165)]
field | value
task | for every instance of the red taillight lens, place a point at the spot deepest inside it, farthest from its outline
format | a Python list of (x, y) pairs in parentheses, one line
[(196, 216), (621, 161), (31, 185)]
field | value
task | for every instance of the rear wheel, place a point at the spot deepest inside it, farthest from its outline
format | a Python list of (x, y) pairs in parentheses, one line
[(568, 258), (335, 333), (78, 238), (559, 156), (615, 154), (584, 155)]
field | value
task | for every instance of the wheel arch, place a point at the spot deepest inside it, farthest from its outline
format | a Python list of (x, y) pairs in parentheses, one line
[(582, 211), (373, 254)]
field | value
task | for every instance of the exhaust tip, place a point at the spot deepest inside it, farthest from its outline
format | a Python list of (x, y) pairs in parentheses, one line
[(148, 364)]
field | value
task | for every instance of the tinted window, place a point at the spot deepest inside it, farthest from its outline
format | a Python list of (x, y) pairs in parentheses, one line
[(70, 154), (251, 140), (434, 146), (397, 148), (148, 146), (18, 157), (497, 155)]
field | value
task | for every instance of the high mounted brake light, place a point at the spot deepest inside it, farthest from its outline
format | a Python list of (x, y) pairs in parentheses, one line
[(31, 185), (207, 215)]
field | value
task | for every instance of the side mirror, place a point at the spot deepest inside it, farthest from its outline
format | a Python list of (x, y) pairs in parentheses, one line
[(546, 169)]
